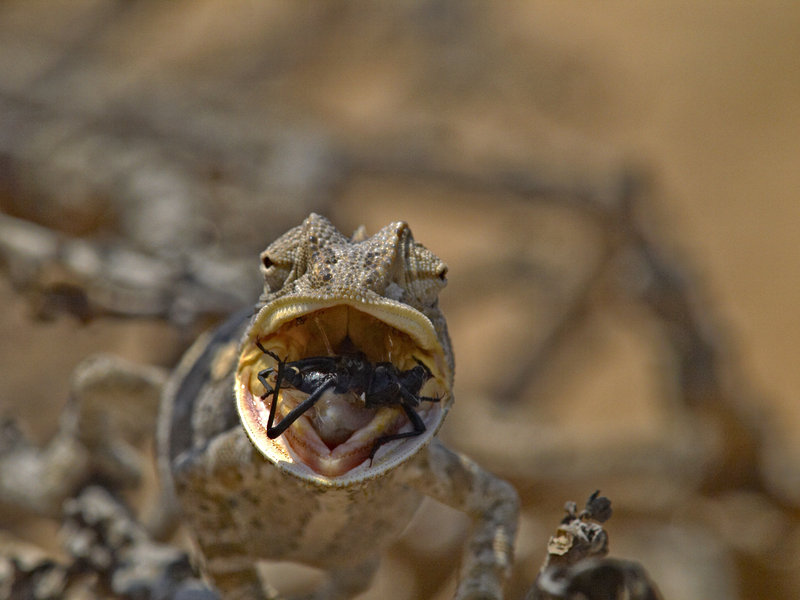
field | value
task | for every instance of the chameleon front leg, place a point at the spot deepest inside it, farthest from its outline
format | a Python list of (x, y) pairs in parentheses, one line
[(491, 503), (207, 480), (111, 410)]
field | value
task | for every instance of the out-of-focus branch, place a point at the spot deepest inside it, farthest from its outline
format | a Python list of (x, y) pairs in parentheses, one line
[(576, 568)]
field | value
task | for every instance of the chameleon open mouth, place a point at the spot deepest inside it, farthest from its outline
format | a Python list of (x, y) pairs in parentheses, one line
[(340, 434)]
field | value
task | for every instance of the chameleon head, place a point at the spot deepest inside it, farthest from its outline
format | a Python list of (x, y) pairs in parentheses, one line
[(326, 295)]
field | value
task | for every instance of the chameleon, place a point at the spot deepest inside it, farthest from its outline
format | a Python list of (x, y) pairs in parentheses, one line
[(318, 495)]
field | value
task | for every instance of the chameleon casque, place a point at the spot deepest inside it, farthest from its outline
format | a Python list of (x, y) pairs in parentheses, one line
[(315, 493)]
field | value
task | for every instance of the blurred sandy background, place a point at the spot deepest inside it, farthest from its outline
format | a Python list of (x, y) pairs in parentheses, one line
[(186, 128)]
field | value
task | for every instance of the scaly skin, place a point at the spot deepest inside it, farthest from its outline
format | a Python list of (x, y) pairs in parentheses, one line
[(248, 498)]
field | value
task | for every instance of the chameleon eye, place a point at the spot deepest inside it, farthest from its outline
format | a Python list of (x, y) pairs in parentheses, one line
[(275, 272)]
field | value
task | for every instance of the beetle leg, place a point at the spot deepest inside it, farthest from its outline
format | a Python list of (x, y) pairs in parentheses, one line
[(297, 411), (262, 377), (413, 400), (416, 423), (268, 352), (274, 391)]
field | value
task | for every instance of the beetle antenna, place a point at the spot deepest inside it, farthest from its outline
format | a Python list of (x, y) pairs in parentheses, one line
[(267, 352)]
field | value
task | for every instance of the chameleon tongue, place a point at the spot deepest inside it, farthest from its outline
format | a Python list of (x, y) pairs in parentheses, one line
[(337, 416), (307, 445)]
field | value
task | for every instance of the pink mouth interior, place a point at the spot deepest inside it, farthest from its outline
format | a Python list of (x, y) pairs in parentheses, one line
[(339, 432), (335, 451)]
